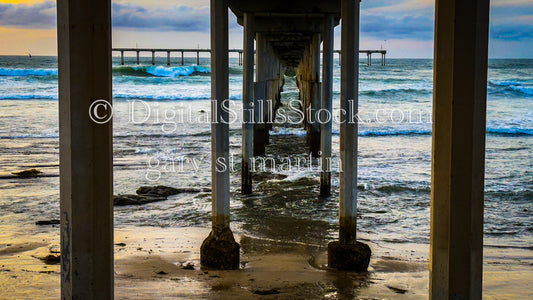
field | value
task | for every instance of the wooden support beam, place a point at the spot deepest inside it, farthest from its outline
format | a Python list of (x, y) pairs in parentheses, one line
[(138, 61), (458, 156), (122, 57), (85, 150), (168, 58), (153, 58)]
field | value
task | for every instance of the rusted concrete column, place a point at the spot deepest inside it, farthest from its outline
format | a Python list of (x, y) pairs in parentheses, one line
[(308, 78), (326, 105), (459, 112), (86, 150), (347, 253), (261, 135), (247, 103), (219, 250), (267, 92)]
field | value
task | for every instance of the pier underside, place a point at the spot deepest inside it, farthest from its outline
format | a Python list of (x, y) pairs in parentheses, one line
[(288, 35)]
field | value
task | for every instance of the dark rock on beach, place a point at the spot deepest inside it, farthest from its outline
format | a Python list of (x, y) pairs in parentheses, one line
[(47, 222), (264, 176), (51, 259), (28, 173), (122, 200), (148, 194), (267, 292), (397, 290), (164, 191)]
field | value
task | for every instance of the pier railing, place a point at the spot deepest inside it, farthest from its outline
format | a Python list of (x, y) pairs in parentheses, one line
[(182, 52)]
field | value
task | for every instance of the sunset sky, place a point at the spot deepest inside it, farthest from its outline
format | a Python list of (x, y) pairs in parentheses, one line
[(404, 27)]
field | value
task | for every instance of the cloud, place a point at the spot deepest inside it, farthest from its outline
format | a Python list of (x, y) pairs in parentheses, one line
[(509, 32), (380, 19), (39, 15), (416, 27), (174, 18)]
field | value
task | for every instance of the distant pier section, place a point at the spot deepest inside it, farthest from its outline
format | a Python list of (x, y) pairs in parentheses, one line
[(182, 52)]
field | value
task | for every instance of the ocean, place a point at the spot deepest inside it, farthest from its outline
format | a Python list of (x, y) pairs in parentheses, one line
[(154, 145)]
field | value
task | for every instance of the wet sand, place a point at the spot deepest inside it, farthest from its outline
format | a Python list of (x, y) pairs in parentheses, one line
[(159, 263)]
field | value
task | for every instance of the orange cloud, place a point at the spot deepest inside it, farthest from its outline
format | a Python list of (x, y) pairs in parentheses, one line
[(22, 1), (22, 41)]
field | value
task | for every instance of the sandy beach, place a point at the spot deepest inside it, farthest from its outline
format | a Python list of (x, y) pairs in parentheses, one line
[(163, 263)]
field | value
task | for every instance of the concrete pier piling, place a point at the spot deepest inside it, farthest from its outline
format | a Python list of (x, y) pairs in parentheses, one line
[(326, 105), (86, 149), (220, 250), (308, 79), (247, 103), (348, 253), (458, 158), (269, 83)]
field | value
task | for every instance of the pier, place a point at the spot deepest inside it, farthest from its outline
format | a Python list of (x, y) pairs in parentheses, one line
[(182, 52), (286, 34)]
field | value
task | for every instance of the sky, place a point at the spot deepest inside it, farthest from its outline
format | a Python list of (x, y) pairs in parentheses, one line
[(403, 27)]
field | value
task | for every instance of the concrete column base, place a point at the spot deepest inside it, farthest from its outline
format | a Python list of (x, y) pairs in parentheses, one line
[(220, 251), (350, 257)]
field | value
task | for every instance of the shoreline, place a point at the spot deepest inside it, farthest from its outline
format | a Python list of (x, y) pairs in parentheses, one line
[(155, 262)]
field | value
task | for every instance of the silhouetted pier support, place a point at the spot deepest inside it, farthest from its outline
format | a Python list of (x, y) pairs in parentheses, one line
[(308, 78), (122, 57), (348, 253), (138, 61), (86, 150), (153, 58), (247, 103), (240, 58), (219, 250), (326, 105), (267, 92), (459, 106), (168, 58)]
